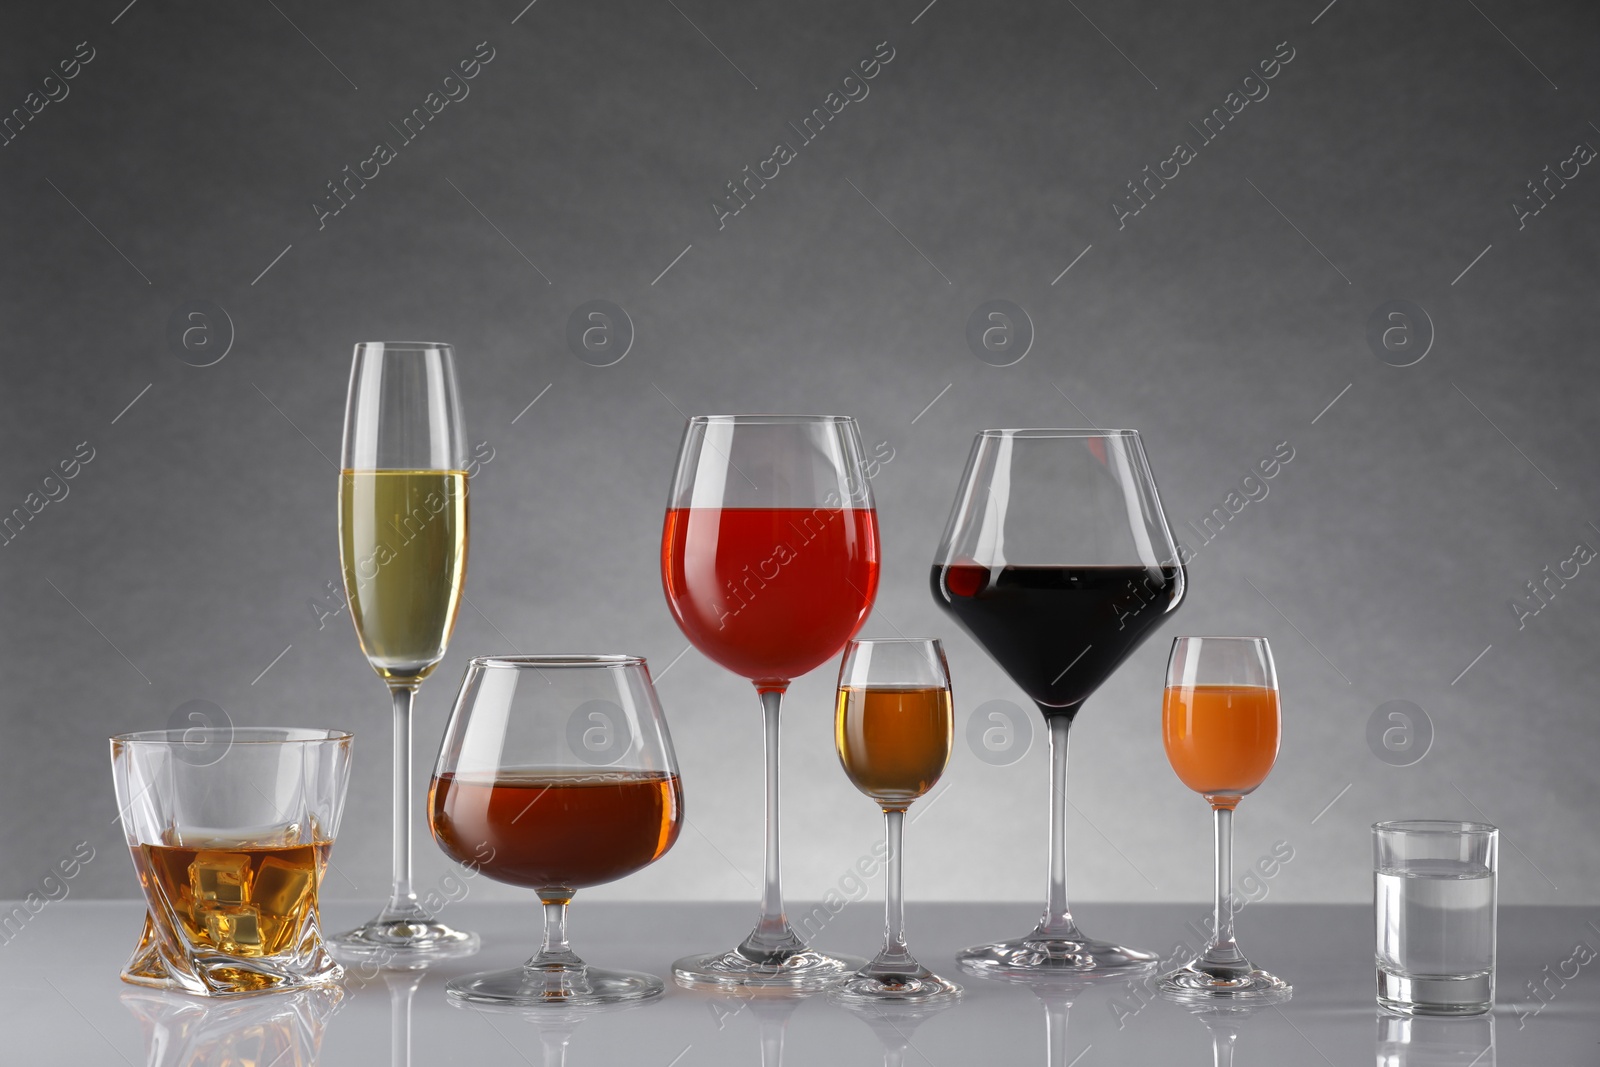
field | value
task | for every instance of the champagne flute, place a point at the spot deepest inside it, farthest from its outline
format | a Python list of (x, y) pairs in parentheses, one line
[(769, 560), (1058, 561), (556, 773), (893, 729), (1220, 722), (403, 551)]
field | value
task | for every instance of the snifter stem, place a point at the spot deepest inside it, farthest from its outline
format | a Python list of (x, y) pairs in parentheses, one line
[(555, 952)]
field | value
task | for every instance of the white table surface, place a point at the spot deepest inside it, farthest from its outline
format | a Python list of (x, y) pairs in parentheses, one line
[(63, 1003)]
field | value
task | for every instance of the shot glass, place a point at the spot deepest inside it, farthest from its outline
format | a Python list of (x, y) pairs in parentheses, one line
[(230, 829), (1434, 893)]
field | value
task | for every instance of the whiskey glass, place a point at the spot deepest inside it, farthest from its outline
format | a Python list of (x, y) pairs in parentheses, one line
[(230, 829), (556, 773)]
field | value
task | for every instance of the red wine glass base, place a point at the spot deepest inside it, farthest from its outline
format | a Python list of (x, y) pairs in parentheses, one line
[(553, 987), (1035, 955)]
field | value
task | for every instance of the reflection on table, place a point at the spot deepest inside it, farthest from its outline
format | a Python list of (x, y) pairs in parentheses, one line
[(895, 1023), (275, 1030), (1418, 1041)]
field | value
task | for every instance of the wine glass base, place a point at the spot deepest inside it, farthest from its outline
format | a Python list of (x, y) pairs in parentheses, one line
[(924, 988), (402, 943), (547, 988), (1034, 955), (806, 971), (1192, 985)]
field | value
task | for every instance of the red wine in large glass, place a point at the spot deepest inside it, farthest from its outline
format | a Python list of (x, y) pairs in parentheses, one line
[(769, 562), (770, 593), (1057, 560), (1057, 631)]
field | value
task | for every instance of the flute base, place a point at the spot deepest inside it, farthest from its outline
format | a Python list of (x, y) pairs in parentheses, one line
[(402, 942), (1039, 955), (1193, 985), (803, 971)]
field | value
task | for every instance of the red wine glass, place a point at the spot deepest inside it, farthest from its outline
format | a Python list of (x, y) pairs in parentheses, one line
[(769, 559), (1058, 561)]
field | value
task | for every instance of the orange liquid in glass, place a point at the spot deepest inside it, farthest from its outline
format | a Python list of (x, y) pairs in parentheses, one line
[(1221, 739)]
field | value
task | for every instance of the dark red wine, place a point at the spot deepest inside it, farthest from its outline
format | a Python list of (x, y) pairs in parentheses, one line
[(1058, 632)]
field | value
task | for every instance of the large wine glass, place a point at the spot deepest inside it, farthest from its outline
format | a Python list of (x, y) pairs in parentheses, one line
[(769, 558), (403, 550), (1058, 561), (556, 774)]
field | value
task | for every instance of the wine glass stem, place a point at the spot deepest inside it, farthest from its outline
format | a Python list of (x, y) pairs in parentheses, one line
[(894, 900), (1222, 919), (404, 696), (772, 939), (1057, 921)]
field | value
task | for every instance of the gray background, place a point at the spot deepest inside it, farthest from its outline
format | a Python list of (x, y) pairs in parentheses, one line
[(1222, 320)]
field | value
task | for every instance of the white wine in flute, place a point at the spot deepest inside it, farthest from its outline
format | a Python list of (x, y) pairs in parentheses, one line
[(403, 547)]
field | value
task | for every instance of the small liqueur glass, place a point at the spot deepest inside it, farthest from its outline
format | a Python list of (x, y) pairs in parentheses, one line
[(1220, 723), (893, 729)]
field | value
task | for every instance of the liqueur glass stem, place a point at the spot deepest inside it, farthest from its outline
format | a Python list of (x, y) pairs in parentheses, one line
[(894, 900), (1223, 948)]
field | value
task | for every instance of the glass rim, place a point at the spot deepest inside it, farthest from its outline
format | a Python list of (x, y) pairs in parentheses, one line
[(559, 660), (404, 346), (1045, 432), (769, 418), (1259, 639), (1437, 827), (239, 735), (894, 641)]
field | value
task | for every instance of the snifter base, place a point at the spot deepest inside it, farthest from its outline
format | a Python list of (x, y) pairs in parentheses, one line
[(805, 971), (554, 986), (402, 942), (1038, 955)]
